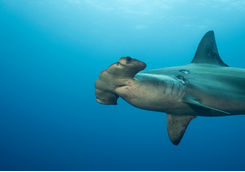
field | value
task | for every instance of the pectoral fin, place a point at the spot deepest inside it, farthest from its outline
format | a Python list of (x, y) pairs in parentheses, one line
[(176, 127), (193, 101)]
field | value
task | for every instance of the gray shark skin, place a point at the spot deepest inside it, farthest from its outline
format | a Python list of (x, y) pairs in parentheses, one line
[(205, 87)]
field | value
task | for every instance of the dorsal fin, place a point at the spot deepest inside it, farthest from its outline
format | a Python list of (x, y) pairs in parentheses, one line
[(207, 51)]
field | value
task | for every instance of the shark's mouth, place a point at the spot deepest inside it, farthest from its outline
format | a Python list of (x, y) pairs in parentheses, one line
[(121, 85)]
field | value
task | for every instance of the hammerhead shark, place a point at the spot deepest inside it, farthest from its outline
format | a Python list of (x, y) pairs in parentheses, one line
[(205, 87)]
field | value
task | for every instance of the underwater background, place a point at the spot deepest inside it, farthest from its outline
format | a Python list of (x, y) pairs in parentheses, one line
[(51, 53)]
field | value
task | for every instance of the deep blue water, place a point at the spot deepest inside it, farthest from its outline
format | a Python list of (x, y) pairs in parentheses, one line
[(51, 53)]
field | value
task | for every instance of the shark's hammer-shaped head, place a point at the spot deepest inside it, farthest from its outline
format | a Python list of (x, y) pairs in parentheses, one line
[(126, 67), (117, 75)]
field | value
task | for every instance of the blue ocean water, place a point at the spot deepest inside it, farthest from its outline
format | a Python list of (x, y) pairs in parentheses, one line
[(51, 53)]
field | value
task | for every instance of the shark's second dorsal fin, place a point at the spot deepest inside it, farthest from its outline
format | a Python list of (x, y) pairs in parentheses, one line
[(207, 51)]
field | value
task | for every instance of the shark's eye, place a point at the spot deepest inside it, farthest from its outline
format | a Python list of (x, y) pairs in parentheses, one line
[(128, 59)]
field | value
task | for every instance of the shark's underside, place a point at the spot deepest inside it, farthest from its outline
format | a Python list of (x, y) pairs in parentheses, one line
[(205, 87)]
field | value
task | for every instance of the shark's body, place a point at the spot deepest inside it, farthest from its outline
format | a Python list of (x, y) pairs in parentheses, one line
[(222, 88), (205, 87)]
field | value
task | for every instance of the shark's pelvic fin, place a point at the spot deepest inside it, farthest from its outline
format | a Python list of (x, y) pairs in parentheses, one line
[(193, 101), (207, 51), (176, 127)]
